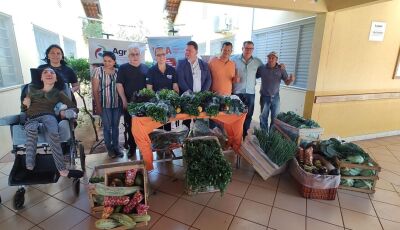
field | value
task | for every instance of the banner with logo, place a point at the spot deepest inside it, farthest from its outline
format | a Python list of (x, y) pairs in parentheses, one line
[(174, 47), (120, 48)]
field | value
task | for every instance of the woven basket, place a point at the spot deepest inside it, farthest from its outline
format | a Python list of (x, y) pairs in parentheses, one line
[(314, 193)]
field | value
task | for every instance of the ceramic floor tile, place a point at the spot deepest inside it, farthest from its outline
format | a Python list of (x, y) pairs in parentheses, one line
[(287, 184), (359, 194), (386, 185), (32, 197), (168, 224), (43, 210), (16, 222), (36, 228), (281, 219), (393, 166), (211, 219), (200, 198), (356, 204), (240, 224), (86, 224), (356, 220), (261, 195), (184, 211), (82, 203), (334, 202), (68, 195), (226, 203), (390, 225), (394, 147), (237, 188), (290, 202), (3, 181), (55, 188), (8, 193), (161, 202), (242, 175), (6, 169), (387, 211), (390, 176), (386, 196), (168, 169), (324, 212), (173, 187), (270, 183), (5, 213), (156, 179), (254, 212), (313, 224), (64, 219)]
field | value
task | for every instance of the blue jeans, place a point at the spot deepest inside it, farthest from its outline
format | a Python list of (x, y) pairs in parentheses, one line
[(248, 100), (110, 117), (270, 103)]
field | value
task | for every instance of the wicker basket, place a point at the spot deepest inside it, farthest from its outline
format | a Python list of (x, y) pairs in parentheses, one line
[(314, 193)]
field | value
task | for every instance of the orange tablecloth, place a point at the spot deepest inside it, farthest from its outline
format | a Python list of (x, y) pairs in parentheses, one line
[(142, 126)]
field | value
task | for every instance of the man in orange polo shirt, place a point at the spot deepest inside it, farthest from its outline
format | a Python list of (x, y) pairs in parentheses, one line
[(223, 71)]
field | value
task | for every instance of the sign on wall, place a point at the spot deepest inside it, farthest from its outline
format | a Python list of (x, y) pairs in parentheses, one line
[(174, 47), (120, 48), (377, 32)]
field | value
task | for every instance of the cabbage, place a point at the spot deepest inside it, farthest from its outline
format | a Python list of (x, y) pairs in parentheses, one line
[(367, 172), (356, 159), (350, 172), (347, 182), (364, 184)]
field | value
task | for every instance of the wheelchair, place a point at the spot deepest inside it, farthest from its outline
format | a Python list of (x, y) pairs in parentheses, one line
[(45, 170)]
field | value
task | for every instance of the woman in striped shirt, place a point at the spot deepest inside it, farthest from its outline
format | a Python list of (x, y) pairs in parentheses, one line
[(107, 104)]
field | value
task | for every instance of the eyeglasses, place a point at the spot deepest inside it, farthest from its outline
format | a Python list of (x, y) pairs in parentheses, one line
[(134, 54), (160, 55)]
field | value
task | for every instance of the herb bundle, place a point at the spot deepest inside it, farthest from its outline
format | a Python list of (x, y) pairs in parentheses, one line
[(206, 165), (275, 146), (297, 121)]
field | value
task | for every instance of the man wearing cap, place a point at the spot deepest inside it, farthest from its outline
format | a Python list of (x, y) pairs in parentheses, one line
[(271, 75)]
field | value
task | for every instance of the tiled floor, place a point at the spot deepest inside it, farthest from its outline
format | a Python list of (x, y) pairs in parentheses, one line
[(249, 202)]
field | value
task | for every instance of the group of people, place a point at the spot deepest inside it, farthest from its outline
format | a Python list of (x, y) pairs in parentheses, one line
[(224, 75), (113, 88)]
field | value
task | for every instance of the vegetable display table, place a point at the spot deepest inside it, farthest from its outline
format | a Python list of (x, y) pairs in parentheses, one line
[(142, 126)]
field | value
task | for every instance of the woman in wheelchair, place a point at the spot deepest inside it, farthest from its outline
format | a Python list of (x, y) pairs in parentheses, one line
[(39, 107)]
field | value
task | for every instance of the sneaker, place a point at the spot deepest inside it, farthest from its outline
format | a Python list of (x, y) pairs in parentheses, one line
[(118, 153), (111, 154)]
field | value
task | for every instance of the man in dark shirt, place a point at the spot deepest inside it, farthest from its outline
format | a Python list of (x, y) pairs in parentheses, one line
[(271, 75), (131, 78)]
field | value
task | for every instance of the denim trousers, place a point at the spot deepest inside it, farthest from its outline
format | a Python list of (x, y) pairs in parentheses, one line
[(271, 103), (110, 118), (248, 100)]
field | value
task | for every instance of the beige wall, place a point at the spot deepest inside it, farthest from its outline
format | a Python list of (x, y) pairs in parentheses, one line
[(351, 64), (63, 20)]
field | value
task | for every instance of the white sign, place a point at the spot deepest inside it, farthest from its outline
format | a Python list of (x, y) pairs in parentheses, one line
[(377, 31), (174, 47), (120, 48)]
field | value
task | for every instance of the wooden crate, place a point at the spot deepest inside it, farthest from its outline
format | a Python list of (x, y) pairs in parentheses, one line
[(297, 134), (106, 170), (374, 178)]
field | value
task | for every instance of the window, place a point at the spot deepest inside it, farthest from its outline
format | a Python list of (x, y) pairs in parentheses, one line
[(10, 68), (202, 48), (69, 47), (292, 42), (44, 39), (215, 45)]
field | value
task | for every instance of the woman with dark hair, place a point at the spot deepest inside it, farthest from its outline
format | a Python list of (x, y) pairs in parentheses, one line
[(55, 59), (39, 107), (107, 103)]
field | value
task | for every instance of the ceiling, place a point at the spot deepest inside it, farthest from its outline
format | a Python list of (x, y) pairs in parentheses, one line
[(316, 6)]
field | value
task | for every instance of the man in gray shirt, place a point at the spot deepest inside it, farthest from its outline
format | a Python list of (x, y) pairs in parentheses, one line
[(271, 75), (246, 67)]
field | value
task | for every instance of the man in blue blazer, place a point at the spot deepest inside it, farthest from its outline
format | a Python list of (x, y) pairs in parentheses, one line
[(193, 73)]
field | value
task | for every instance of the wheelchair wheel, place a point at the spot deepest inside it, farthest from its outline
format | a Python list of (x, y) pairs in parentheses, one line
[(19, 199), (76, 186), (82, 157)]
